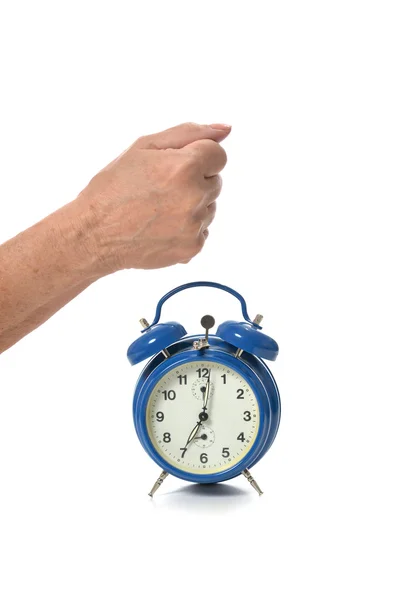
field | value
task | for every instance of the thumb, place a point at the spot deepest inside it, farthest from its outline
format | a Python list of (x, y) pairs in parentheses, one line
[(180, 136)]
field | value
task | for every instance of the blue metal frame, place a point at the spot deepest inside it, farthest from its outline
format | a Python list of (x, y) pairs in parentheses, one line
[(186, 286), (250, 367)]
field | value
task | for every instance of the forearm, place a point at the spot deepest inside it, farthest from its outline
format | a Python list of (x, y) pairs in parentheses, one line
[(42, 269), (37, 317)]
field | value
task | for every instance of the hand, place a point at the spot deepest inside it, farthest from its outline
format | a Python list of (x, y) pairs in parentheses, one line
[(152, 206), (192, 435), (206, 393)]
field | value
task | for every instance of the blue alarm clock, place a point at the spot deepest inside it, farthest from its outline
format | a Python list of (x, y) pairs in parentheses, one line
[(206, 408)]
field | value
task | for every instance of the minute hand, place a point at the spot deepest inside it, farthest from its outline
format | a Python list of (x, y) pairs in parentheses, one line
[(206, 393)]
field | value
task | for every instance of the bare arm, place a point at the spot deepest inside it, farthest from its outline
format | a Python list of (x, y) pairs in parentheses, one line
[(41, 269), (149, 208), (38, 317)]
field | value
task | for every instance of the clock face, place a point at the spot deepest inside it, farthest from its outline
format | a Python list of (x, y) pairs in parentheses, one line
[(202, 417)]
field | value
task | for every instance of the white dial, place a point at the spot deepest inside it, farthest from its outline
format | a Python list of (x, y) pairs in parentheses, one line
[(202, 417)]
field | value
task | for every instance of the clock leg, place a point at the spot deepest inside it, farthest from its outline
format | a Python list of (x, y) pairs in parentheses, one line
[(158, 482), (252, 481)]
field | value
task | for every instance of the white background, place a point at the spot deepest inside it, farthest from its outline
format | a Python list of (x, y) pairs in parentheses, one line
[(306, 230)]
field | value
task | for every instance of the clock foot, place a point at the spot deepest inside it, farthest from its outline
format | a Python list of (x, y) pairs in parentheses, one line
[(252, 481), (158, 482)]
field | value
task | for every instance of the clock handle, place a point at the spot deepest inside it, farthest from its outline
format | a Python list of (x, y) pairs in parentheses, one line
[(212, 284)]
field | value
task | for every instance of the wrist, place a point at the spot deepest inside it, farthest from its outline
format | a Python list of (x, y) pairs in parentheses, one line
[(75, 232)]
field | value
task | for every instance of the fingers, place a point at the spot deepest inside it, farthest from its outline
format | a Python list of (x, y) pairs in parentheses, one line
[(213, 187), (210, 215), (204, 217), (193, 164), (211, 158), (180, 136)]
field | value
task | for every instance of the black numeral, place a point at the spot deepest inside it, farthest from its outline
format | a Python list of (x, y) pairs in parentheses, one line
[(170, 395), (203, 372), (184, 450), (204, 457), (160, 416), (240, 394), (224, 377), (166, 437), (225, 453), (182, 379), (247, 415), (241, 437)]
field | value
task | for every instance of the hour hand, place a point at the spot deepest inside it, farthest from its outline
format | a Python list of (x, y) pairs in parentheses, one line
[(193, 433)]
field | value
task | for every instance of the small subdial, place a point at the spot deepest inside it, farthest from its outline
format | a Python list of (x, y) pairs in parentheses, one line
[(199, 386), (205, 437)]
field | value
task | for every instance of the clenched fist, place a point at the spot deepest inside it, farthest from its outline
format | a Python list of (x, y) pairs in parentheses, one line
[(152, 206), (149, 208)]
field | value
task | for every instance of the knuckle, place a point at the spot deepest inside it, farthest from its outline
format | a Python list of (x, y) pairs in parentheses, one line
[(192, 126), (217, 184), (141, 140), (211, 211), (198, 216), (150, 143), (223, 155), (210, 152), (146, 141)]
